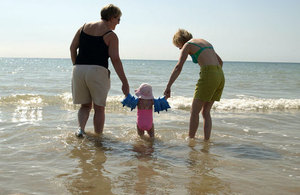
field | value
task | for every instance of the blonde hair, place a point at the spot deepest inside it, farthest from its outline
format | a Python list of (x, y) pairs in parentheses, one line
[(110, 11), (181, 37)]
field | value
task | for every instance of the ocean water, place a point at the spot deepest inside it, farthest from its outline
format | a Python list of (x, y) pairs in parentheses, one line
[(254, 147)]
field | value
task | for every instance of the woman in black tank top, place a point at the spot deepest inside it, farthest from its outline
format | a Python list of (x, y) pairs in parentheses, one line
[(90, 49)]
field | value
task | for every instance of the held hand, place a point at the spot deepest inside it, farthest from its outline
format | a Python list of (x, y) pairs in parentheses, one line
[(167, 93), (125, 89)]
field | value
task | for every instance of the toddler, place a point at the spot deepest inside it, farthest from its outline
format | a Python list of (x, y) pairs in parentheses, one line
[(145, 102)]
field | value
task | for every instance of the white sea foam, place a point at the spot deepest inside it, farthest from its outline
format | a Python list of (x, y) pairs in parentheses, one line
[(241, 103), (66, 98), (22, 99), (257, 104)]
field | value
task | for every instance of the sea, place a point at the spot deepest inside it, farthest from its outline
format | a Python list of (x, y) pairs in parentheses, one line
[(254, 146)]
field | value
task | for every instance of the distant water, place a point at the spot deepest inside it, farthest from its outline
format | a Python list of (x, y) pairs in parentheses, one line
[(254, 148)]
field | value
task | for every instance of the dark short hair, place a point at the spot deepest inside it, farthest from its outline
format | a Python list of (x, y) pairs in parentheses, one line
[(110, 11)]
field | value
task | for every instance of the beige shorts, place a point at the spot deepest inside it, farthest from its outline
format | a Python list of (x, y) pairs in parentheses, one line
[(90, 83)]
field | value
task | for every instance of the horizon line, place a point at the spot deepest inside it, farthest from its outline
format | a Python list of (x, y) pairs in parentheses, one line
[(154, 60)]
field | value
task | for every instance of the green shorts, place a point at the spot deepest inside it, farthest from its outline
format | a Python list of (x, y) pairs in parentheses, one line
[(211, 83)]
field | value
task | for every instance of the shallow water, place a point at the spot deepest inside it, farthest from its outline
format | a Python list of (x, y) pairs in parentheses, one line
[(254, 148)]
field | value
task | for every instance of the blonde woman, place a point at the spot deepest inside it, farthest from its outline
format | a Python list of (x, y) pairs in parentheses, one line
[(210, 85), (96, 42)]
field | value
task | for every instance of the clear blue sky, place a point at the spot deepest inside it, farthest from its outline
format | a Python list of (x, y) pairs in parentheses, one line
[(240, 30)]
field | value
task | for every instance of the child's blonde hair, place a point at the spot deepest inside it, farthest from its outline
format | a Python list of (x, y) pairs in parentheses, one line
[(181, 37)]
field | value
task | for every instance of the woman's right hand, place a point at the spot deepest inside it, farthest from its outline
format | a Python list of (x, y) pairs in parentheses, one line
[(167, 93)]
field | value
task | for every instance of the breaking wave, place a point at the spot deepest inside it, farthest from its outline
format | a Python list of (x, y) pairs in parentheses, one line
[(241, 103)]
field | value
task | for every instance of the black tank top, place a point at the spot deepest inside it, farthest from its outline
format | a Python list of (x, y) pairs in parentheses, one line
[(92, 50)]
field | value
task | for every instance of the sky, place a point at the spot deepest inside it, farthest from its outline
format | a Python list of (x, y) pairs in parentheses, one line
[(239, 30)]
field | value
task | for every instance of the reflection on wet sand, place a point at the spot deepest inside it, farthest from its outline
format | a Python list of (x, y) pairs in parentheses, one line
[(143, 167), (136, 171), (144, 170), (203, 165), (143, 148), (87, 177)]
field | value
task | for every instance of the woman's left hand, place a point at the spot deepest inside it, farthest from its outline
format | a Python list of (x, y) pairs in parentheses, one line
[(125, 89)]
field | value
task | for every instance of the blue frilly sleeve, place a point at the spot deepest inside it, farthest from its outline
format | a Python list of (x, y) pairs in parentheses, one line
[(130, 101), (161, 104)]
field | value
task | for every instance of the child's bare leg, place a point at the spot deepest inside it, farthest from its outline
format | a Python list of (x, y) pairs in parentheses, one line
[(139, 131), (151, 131)]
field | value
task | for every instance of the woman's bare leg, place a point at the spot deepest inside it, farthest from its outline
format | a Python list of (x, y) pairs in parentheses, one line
[(83, 115), (207, 122), (99, 118), (194, 119)]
